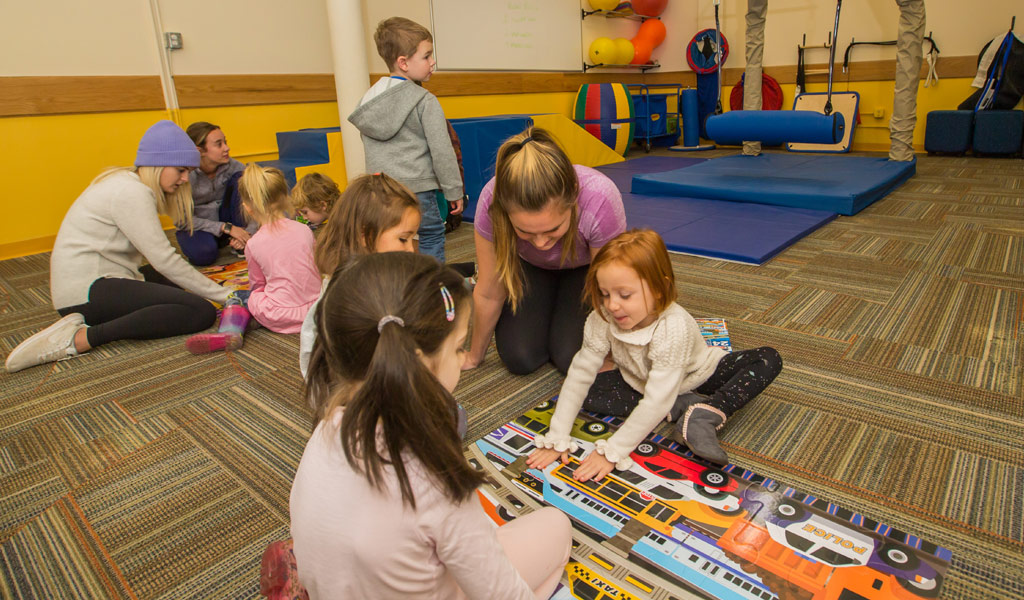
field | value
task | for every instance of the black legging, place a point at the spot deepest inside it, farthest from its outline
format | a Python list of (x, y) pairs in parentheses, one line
[(738, 378), (548, 324), (127, 309)]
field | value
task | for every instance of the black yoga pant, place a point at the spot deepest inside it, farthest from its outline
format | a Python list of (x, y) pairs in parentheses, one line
[(548, 324), (127, 309), (738, 378)]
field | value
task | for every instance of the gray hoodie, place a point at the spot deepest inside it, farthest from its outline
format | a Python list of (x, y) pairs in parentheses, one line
[(405, 135)]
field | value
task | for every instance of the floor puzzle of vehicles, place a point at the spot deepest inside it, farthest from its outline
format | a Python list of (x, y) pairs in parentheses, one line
[(674, 527), (234, 276)]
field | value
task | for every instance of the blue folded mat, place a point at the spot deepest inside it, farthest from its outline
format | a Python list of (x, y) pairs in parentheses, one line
[(747, 233), (842, 184)]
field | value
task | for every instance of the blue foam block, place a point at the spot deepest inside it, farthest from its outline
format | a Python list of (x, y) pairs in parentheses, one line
[(480, 139), (841, 184), (998, 131), (727, 230), (948, 131)]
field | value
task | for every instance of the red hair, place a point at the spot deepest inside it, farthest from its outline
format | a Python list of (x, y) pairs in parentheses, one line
[(643, 251)]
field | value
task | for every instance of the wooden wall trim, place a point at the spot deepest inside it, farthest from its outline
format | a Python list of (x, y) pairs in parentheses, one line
[(32, 96), (29, 96), (484, 83), (201, 91)]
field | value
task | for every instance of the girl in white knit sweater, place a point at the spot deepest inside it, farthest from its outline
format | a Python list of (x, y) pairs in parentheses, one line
[(664, 368)]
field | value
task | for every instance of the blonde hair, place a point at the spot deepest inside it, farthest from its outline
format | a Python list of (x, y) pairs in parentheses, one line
[(176, 206), (315, 190), (370, 205), (643, 251), (399, 36), (264, 191), (531, 173)]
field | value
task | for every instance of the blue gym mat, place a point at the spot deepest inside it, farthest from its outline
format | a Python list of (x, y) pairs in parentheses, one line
[(741, 232), (842, 184)]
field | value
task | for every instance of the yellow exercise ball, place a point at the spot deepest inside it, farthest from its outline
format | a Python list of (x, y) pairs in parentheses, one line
[(623, 51), (604, 4), (602, 51)]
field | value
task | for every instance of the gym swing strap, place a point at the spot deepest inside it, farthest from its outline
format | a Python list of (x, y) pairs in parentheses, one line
[(718, 59), (832, 59)]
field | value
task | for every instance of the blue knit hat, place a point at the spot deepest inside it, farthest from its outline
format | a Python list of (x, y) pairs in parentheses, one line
[(166, 145)]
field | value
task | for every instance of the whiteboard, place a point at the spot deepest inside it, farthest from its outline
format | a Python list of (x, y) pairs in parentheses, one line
[(507, 35)]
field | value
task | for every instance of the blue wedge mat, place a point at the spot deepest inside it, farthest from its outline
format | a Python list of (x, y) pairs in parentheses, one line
[(748, 233), (842, 184), (480, 139)]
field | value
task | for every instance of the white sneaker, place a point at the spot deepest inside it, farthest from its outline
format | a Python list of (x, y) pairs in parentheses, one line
[(56, 342)]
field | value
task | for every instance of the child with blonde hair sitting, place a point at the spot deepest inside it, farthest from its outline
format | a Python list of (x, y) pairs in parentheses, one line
[(314, 196), (283, 281)]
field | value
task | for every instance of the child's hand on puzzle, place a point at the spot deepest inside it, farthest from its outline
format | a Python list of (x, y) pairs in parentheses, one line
[(595, 466), (542, 457)]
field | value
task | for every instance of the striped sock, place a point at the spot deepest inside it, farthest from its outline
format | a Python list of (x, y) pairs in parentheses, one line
[(233, 321)]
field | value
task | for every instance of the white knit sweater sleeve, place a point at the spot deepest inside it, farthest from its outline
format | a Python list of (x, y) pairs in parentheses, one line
[(668, 352), (578, 380), (139, 221)]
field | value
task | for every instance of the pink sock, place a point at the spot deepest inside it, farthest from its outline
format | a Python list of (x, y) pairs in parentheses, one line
[(233, 321), (202, 343)]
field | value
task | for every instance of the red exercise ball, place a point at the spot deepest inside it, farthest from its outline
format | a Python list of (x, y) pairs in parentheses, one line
[(653, 30), (649, 8), (642, 51)]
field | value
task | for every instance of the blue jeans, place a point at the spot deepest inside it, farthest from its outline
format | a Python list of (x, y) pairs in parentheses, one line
[(201, 248), (431, 230)]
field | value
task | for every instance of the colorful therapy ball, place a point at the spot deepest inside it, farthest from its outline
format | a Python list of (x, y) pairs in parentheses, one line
[(602, 51), (649, 8), (623, 51), (603, 4), (653, 30)]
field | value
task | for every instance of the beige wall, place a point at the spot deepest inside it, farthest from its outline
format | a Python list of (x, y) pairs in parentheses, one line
[(117, 37), (72, 37), (959, 29), (249, 36)]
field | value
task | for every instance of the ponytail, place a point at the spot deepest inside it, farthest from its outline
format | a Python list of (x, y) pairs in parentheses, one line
[(264, 191), (394, 405)]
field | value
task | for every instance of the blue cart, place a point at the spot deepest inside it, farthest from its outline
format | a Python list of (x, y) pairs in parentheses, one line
[(654, 120)]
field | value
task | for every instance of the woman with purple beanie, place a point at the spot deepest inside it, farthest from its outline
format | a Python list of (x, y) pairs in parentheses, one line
[(97, 281)]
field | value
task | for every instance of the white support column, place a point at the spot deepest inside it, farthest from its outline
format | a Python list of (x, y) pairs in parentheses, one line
[(351, 75)]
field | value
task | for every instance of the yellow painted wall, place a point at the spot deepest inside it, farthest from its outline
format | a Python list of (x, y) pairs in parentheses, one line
[(51, 159)]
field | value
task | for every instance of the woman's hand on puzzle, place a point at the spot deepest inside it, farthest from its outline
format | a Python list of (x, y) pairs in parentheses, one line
[(595, 466), (542, 457)]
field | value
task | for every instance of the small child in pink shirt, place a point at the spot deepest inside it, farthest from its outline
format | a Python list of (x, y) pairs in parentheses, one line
[(283, 279), (384, 503)]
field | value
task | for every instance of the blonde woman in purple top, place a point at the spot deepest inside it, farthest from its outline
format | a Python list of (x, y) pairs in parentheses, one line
[(539, 222)]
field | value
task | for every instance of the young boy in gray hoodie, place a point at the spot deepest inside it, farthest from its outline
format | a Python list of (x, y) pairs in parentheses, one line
[(404, 130)]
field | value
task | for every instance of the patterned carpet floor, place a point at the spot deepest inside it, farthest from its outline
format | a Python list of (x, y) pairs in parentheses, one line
[(141, 471)]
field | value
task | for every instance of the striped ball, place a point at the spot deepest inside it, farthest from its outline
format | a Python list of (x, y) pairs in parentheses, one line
[(606, 111)]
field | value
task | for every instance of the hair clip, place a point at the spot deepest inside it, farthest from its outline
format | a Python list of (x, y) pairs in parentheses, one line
[(390, 319), (449, 303), (528, 139)]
